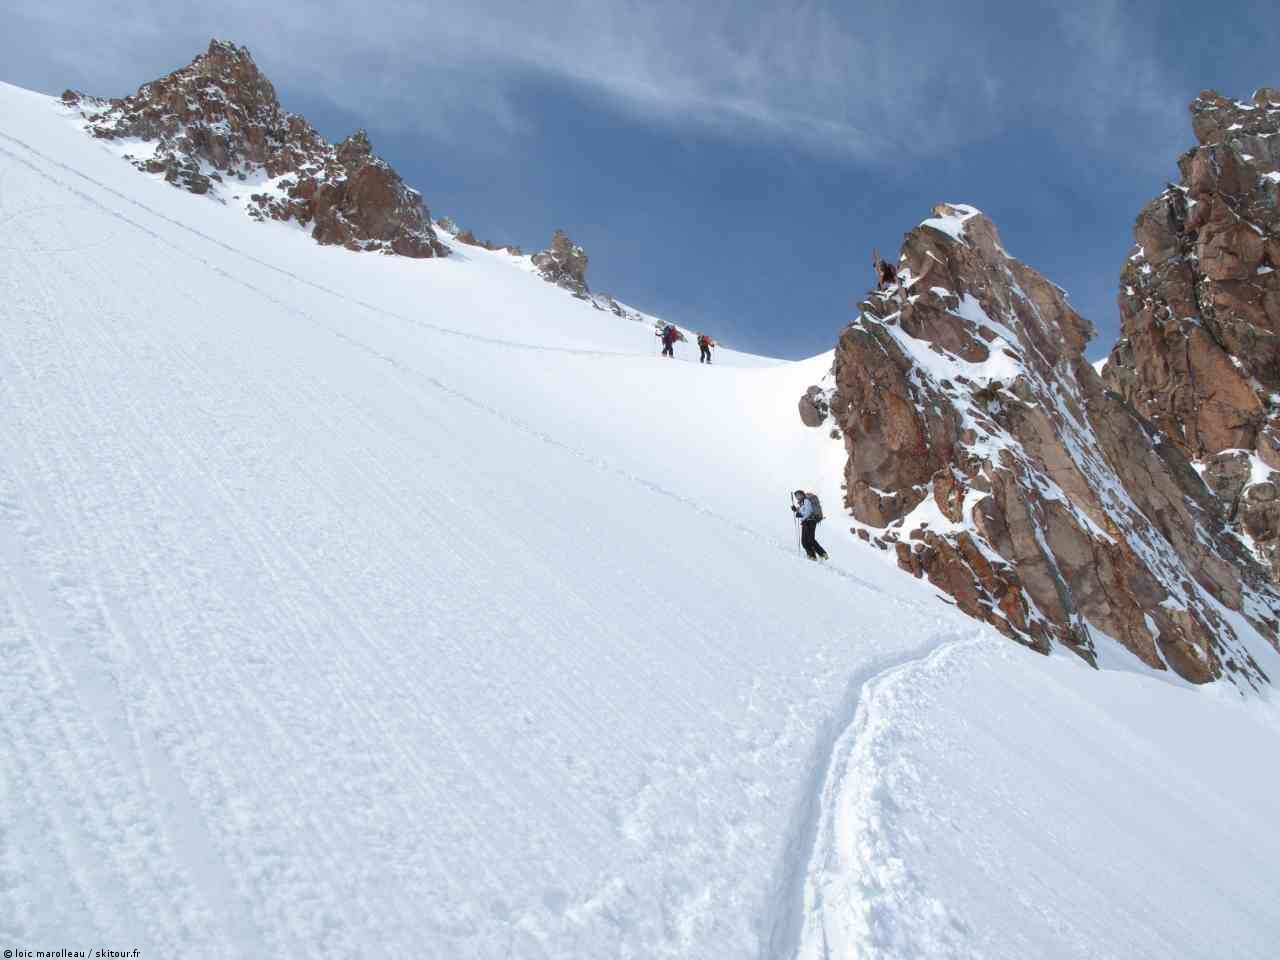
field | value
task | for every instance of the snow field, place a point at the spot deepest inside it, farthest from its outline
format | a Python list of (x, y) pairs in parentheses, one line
[(353, 604)]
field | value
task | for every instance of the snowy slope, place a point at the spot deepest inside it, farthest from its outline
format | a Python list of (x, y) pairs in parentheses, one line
[(990, 803), (350, 600), (354, 606)]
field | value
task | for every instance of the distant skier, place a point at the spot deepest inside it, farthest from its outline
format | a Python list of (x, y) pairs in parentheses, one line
[(808, 509), (669, 337), (886, 272), (705, 344)]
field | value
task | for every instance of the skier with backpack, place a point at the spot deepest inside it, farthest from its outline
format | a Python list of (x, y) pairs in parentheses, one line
[(808, 510), (886, 272), (669, 335), (705, 344)]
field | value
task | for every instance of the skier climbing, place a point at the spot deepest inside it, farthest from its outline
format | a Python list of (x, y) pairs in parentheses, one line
[(669, 335), (705, 344), (886, 272), (808, 509)]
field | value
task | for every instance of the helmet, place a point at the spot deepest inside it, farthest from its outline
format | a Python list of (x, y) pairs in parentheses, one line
[(798, 494)]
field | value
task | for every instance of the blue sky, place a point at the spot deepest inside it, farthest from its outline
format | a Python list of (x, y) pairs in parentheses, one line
[(727, 165)]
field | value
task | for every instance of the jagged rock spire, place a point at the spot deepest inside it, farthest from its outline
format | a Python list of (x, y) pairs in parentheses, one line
[(216, 122), (983, 448), (564, 263), (1199, 353)]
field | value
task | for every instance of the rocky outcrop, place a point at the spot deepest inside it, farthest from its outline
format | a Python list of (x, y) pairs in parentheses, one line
[(216, 127), (1199, 354), (564, 263), (987, 453), (814, 407)]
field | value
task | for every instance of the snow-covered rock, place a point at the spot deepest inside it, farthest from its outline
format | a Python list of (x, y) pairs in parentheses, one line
[(1199, 354), (215, 127), (986, 450), (564, 263)]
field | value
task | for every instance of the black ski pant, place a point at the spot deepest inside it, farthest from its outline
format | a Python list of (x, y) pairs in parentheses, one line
[(667, 351), (706, 354), (808, 540)]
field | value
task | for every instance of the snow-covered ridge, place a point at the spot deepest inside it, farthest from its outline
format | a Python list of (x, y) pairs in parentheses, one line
[(950, 219)]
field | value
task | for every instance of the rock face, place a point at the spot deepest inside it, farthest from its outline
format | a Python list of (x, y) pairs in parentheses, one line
[(985, 450), (814, 407), (215, 126), (564, 263), (1199, 354)]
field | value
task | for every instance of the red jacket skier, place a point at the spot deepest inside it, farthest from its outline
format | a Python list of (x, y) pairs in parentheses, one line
[(669, 337)]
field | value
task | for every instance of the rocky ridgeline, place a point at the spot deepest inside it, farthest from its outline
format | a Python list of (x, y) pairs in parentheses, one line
[(215, 126), (985, 450), (1199, 354)]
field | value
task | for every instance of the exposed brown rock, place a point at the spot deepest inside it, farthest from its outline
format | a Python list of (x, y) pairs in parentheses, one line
[(564, 263), (813, 407), (1014, 481), (217, 122), (1200, 304)]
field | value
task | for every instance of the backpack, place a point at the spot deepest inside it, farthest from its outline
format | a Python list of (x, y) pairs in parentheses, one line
[(817, 507)]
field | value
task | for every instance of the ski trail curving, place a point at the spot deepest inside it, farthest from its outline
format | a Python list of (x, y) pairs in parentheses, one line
[(813, 869), (809, 834)]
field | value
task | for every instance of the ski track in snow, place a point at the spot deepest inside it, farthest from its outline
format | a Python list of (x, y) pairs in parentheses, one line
[(989, 804), (787, 911), (807, 937)]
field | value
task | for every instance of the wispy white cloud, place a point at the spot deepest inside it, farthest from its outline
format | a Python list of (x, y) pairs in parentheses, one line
[(871, 81)]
